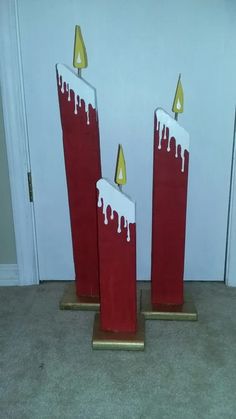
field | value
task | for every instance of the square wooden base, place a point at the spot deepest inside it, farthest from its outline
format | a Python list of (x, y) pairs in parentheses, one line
[(186, 311), (118, 340), (70, 300)]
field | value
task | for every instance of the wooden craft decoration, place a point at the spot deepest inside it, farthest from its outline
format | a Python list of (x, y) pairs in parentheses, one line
[(178, 104), (117, 253), (170, 180), (79, 120)]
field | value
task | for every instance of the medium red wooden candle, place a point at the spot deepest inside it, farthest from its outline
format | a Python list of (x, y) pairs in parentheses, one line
[(79, 121), (170, 180), (117, 256)]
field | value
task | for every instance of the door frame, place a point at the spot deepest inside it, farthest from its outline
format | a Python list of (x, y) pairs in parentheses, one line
[(15, 123)]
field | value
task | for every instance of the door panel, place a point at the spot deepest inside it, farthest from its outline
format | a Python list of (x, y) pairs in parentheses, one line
[(136, 51)]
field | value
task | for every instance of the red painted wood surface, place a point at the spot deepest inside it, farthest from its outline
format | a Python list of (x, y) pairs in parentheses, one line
[(169, 220), (117, 275), (83, 169)]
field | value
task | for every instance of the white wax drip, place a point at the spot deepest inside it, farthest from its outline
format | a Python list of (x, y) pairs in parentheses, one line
[(80, 87), (164, 121), (62, 85), (117, 201), (88, 121), (76, 104), (68, 90)]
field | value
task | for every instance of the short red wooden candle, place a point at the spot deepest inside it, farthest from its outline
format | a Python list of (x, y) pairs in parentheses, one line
[(117, 257)]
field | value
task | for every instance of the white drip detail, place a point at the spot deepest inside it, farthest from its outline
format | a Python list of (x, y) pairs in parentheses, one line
[(109, 195), (80, 87), (164, 121)]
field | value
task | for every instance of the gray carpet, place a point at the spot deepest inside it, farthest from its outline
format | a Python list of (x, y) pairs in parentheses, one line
[(48, 369)]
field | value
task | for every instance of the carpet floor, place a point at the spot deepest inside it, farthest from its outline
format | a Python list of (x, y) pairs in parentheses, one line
[(49, 370)]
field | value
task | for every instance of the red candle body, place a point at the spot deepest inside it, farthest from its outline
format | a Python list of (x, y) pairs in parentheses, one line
[(83, 169), (117, 258), (170, 179)]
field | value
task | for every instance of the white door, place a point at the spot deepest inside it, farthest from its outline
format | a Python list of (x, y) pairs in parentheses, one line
[(136, 51)]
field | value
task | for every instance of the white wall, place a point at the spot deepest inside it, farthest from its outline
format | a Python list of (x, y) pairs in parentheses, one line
[(136, 50)]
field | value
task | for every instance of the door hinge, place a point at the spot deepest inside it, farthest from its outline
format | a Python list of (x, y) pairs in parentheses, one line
[(30, 186)]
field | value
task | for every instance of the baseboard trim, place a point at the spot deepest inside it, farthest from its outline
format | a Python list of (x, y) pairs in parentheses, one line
[(9, 274), (204, 280), (189, 280)]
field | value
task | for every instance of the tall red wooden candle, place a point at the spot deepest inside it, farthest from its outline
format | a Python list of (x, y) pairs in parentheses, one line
[(79, 120), (170, 180)]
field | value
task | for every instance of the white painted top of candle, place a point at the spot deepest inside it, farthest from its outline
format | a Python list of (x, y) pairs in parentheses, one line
[(109, 195), (80, 87), (164, 120)]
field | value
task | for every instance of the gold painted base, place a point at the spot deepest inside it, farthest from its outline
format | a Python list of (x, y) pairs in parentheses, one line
[(118, 340), (186, 311), (70, 301)]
